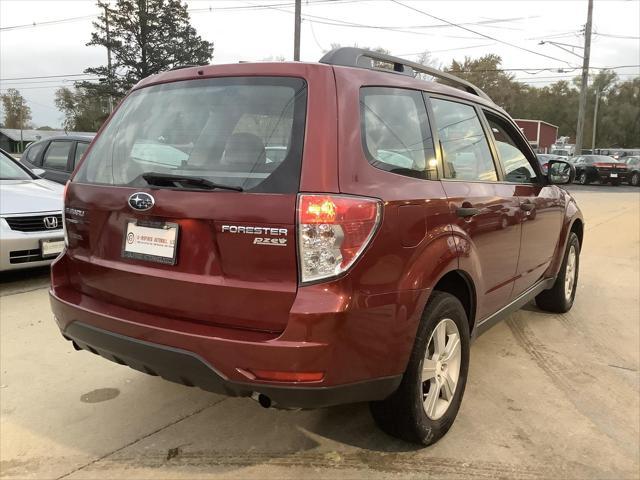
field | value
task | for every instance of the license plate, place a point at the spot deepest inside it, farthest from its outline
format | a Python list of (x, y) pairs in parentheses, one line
[(614, 175), (51, 248), (150, 241)]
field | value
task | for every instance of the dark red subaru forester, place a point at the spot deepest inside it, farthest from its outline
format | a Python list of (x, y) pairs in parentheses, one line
[(312, 234)]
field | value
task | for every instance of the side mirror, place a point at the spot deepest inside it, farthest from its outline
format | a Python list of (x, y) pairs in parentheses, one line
[(38, 171), (560, 172)]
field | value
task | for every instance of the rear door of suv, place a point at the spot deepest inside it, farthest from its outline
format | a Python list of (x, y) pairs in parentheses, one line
[(179, 210)]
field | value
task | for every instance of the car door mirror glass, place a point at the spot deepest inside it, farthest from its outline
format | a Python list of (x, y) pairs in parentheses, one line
[(560, 172)]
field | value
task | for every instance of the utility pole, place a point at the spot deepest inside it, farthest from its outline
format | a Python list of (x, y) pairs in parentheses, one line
[(109, 77), (296, 31), (585, 80), (595, 122)]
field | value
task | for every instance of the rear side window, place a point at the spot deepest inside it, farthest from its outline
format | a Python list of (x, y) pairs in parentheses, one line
[(57, 155), (34, 150), (395, 131), (244, 132), (464, 145)]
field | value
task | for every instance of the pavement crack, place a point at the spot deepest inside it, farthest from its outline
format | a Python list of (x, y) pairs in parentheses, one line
[(623, 368), (133, 442)]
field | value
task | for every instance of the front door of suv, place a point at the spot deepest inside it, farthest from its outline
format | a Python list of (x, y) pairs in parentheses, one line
[(542, 207), (485, 212)]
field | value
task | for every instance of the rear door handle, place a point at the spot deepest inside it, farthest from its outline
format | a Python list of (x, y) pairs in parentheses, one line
[(467, 212), (527, 207)]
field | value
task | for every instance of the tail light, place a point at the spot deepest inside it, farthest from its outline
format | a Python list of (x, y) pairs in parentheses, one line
[(64, 219), (333, 231)]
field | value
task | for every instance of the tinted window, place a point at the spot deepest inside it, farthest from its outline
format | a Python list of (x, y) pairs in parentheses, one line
[(516, 167), (57, 155), (81, 147), (33, 151), (464, 145), (396, 133), (219, 129)]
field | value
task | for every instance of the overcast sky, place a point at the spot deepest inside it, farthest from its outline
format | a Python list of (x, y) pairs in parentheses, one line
[(241, 33)]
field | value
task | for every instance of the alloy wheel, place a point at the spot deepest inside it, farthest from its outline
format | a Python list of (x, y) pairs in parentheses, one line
[(441, 368), (635, 179), (570, 272)]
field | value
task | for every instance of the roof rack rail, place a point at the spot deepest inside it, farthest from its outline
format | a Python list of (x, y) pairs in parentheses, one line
[(180, 67), (358, 57)]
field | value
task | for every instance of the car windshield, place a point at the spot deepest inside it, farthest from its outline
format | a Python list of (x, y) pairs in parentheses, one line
[(240, 132), (9, 170)]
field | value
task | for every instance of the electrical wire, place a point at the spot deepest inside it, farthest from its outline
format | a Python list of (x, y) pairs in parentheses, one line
[(477, 33)]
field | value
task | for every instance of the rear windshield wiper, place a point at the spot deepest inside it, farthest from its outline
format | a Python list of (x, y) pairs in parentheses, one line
[(182, 181)]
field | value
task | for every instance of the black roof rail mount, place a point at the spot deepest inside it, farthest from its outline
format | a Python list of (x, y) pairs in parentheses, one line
[(358, 57)]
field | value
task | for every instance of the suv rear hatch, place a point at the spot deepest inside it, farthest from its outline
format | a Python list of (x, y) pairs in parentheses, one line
[(185, 204)]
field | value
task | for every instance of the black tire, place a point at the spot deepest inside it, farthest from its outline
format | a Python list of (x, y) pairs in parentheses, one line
[(635, 179), (583, 179), (402, 415), (555, 299)]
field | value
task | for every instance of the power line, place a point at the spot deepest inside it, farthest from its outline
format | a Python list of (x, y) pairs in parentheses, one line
[(626, 37), (47, 76), (478, 33), (48, 22)]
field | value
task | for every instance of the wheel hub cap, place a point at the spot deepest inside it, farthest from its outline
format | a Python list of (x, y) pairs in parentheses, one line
[(441, 369), (570, 273)]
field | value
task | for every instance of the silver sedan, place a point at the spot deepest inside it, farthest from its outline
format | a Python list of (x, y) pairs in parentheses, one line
[(31, 233)]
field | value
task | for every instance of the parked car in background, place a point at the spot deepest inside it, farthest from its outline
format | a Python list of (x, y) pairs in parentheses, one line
[(544, 158), (602, 168), (30, 217), (633, 166), (57, 156), (356, 266)]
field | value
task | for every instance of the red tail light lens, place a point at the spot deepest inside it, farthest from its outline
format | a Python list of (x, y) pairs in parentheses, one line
[(333, 230)]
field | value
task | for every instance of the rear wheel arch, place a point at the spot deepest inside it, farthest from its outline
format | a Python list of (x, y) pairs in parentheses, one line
[(459, 284)]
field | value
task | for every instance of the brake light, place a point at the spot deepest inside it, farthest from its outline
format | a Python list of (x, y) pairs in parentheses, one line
[(333, 230), (64, 218)]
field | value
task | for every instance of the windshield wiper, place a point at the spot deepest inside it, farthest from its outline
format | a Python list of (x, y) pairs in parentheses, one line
[(182, 181)]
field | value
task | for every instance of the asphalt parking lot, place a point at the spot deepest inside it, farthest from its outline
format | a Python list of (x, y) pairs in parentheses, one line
[(548, 395)]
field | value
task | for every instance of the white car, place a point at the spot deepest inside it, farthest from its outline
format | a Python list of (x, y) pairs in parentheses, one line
[(31, 233)]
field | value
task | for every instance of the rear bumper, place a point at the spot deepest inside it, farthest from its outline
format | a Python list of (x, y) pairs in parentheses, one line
[(360, 344), (189, 369), (607, 177)]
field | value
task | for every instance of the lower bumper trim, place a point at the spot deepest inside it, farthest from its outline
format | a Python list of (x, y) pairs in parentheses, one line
[(187, 368)]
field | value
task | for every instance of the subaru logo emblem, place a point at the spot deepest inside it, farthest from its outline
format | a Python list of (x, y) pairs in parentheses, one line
[(50, 222), (141, 201)]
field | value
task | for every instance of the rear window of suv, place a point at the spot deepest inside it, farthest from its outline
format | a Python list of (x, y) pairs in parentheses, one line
[(243, 132)]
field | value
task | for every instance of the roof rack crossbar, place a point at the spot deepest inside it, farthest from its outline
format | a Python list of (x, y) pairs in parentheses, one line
[(358, 57)]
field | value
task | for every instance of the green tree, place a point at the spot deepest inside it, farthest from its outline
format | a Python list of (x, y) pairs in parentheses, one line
[(619, 116), (83, 110), (485, 73), (145, 37), (17, 113)]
